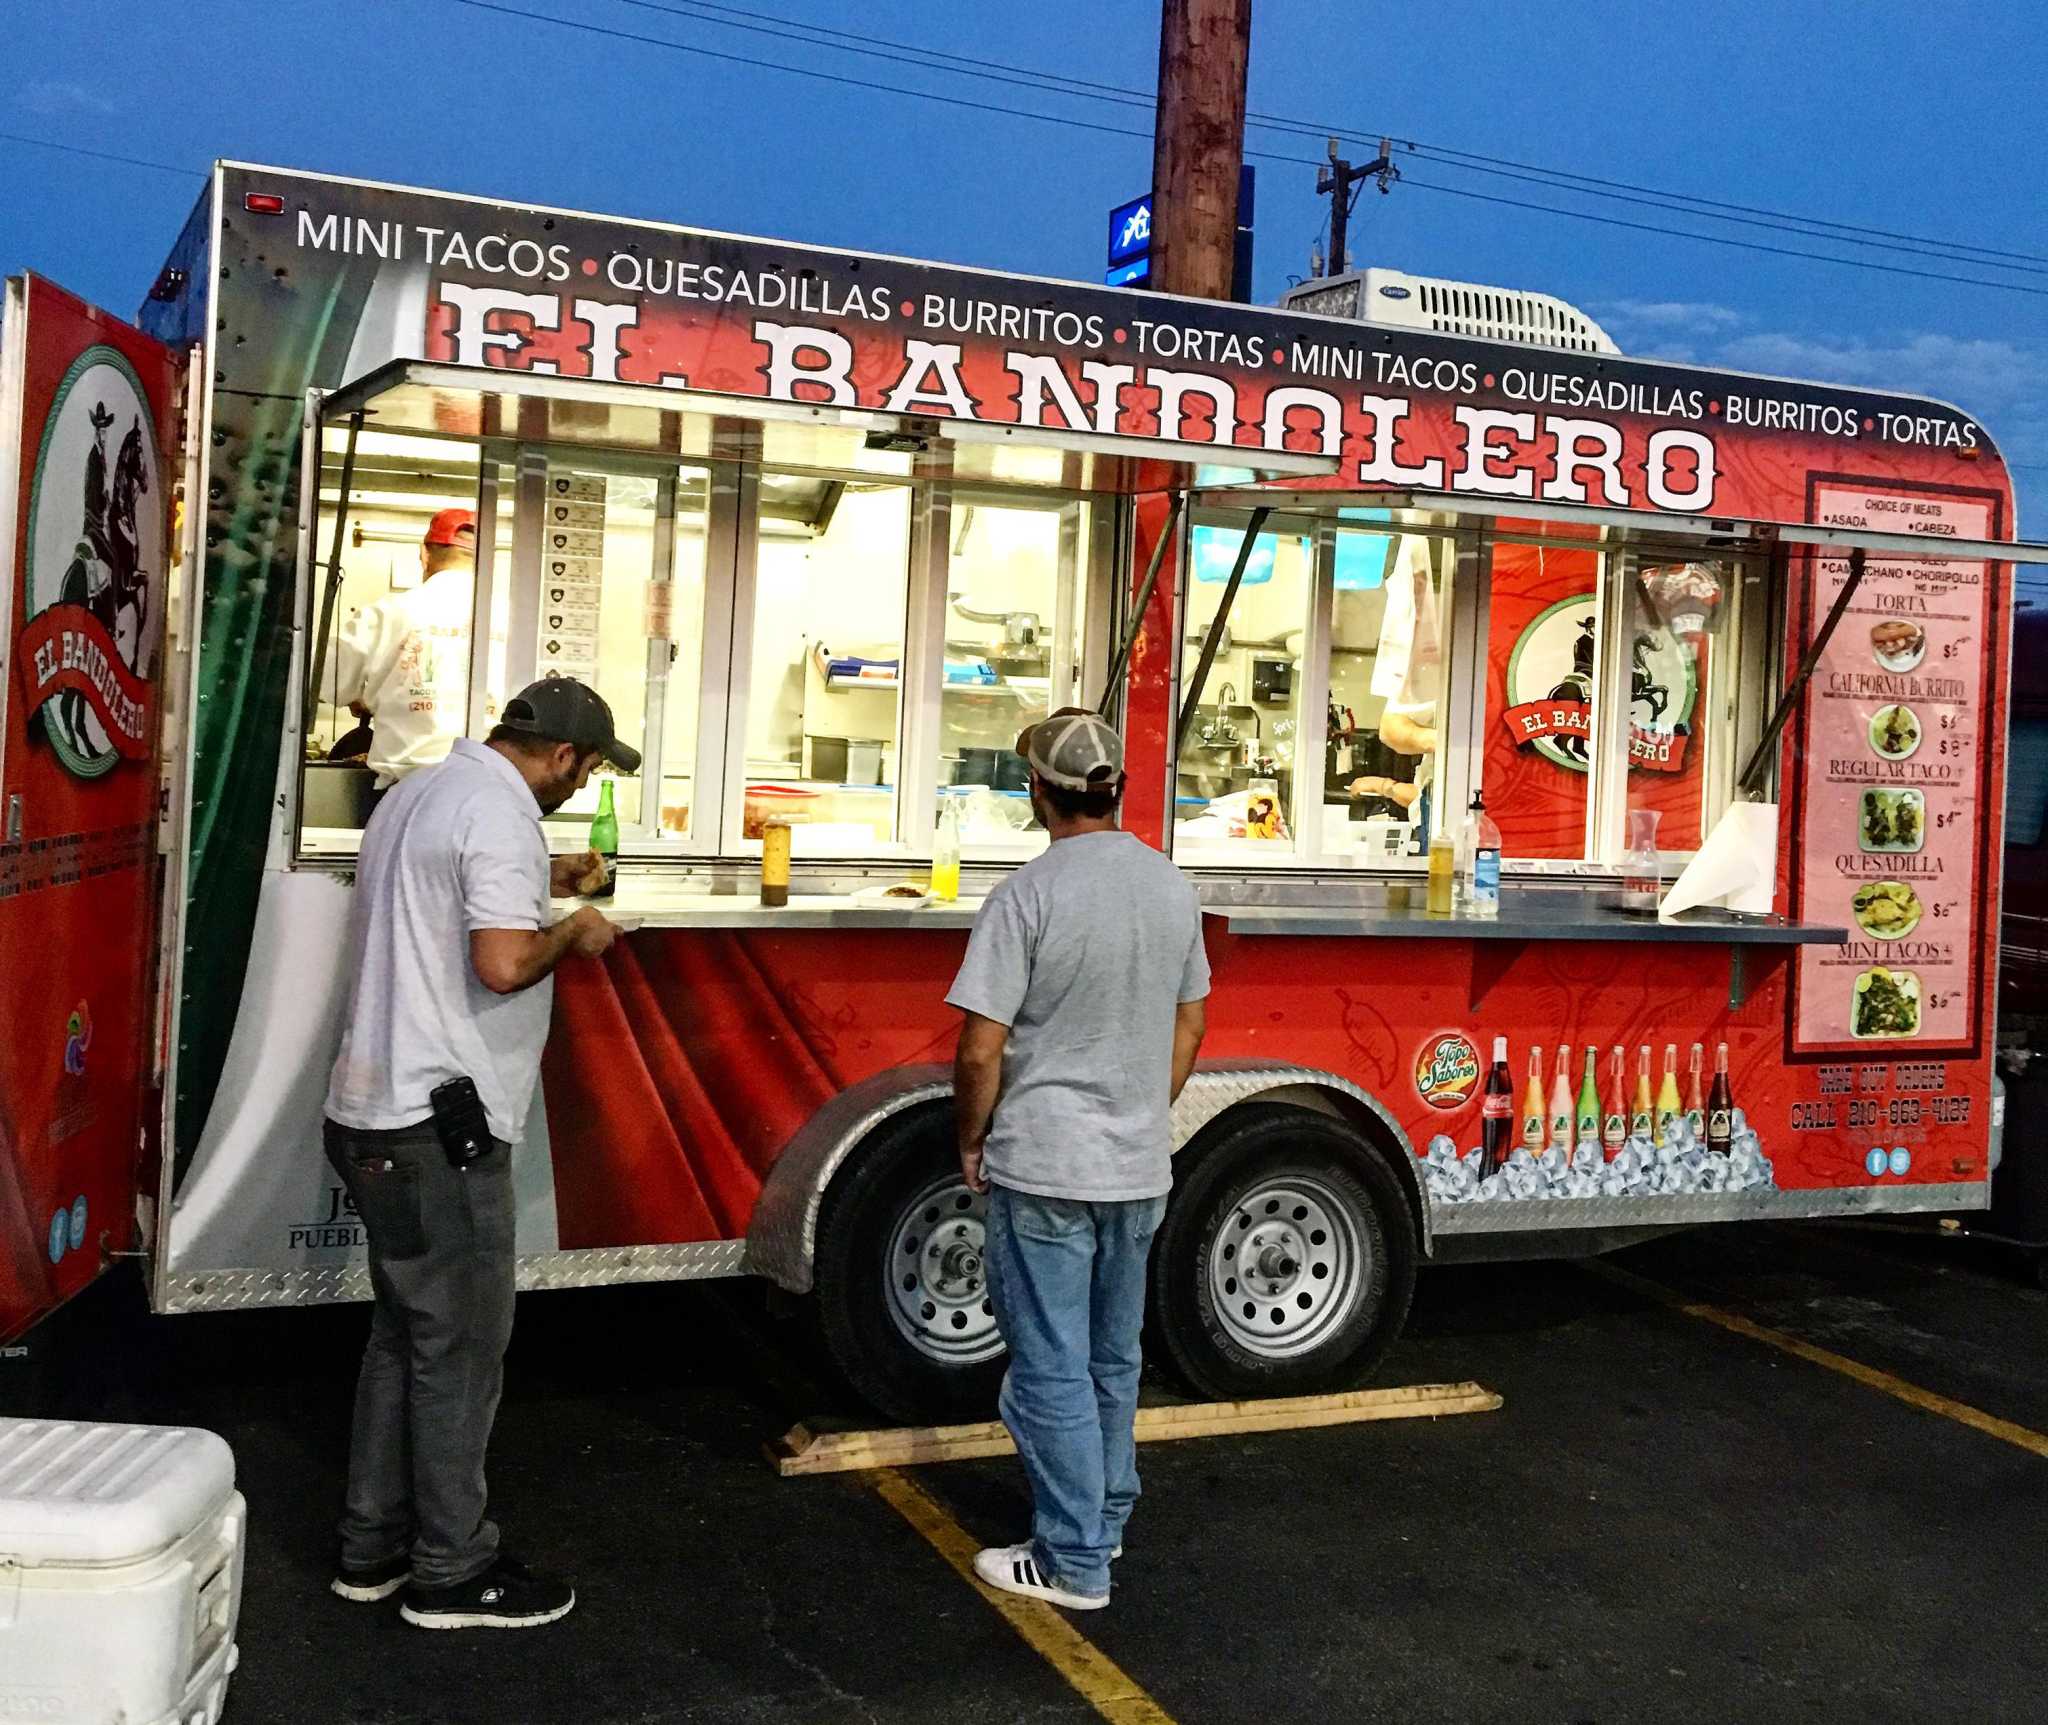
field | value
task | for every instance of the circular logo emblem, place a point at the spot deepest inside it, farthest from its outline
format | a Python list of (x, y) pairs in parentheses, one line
[(96, 551), (1876, 1163), (1447, 1070), (1550, 680), (60, 1236), (78, 1220), (1901, 1160)]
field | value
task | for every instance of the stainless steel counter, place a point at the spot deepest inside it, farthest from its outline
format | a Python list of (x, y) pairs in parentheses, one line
[(1526, 913), (648, 904)]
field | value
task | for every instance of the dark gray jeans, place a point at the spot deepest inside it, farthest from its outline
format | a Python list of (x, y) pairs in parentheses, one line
[(442, 1266)]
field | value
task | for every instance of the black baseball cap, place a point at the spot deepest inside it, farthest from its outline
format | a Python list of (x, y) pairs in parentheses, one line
[(562, 710)]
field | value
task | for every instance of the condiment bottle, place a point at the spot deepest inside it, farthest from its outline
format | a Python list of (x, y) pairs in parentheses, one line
[(775, 861), (1443, 874)]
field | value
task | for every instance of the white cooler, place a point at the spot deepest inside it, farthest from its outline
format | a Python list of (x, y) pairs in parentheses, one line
[(120, 1573)]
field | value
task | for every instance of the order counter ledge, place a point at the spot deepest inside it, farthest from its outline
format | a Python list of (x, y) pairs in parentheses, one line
[(1526, 913), (649, 904)]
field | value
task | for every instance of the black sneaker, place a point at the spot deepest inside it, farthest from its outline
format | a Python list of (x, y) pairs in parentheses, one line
[(379, 1581), (508, 1595)]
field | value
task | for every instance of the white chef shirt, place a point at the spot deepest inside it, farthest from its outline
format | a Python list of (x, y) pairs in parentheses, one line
[(455, 848), (406, 659)]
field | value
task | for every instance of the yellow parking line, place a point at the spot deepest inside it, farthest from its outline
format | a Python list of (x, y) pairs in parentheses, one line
[(2021, 1437), (1099, 1680)]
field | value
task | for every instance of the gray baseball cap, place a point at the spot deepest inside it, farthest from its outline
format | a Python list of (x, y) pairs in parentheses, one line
[(1075, 750), (562, 710)]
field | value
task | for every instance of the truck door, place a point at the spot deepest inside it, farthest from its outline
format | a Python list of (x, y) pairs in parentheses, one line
[(88, 416)]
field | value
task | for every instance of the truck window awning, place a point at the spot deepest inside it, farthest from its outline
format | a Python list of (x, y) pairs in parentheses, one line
[(1418, 511), (421, 398)]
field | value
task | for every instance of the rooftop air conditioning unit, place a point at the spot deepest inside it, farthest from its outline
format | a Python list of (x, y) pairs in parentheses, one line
[(1450, 308)]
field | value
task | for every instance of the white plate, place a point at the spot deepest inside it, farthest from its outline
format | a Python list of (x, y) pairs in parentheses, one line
[(880, 898)]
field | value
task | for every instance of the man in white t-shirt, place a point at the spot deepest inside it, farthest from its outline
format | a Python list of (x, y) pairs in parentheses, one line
[(404, 661), (454, 948)]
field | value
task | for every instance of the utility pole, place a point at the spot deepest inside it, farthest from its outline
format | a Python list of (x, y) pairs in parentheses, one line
[(1339, 182), (1198, 144)]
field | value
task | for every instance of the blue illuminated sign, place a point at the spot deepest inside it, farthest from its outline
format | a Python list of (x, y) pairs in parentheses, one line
[(1130, 243)]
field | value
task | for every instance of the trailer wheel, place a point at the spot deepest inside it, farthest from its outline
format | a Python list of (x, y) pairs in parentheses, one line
[(1287, 1258), (901, 1289)]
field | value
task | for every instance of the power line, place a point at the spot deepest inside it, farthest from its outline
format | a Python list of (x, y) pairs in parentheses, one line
[(99, 155), (838, 77), (847, 80), (1720, 239), (842, 41)]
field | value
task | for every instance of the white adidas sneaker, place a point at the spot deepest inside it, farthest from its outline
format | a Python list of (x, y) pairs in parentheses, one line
[(1015, 1569)]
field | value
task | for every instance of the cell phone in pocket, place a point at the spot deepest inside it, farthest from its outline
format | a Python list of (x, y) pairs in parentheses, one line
[(460, 1121)]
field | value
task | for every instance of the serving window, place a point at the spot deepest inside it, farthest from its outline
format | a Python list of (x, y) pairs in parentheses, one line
[(1317, 735), (806, 626)]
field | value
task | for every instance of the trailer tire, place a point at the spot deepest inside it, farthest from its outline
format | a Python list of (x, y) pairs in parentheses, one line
[(1337, 1257), (900, 1293)]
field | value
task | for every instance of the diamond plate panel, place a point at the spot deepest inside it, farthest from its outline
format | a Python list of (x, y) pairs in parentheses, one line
[(238, 1290), (1510, 1216)]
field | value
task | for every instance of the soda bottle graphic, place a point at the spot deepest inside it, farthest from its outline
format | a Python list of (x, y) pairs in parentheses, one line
[(1614, 1117), (1720, 1105), (1695, 1103), (1642, 1120), (1497, 1109), (1668, 1106), (1535, 1129), (1586, 1122), (1561, 1101)]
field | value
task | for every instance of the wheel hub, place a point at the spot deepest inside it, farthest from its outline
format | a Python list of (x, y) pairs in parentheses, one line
[(935, 1275), (1288, 1265)]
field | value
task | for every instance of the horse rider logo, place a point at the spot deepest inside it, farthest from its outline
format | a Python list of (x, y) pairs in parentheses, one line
[(91, 579)]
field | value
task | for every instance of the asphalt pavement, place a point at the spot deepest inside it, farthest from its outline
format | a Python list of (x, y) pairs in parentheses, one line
[(1664, 1522)]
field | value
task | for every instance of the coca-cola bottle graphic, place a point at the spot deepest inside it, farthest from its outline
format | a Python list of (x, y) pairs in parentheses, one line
[(1497, 1110)]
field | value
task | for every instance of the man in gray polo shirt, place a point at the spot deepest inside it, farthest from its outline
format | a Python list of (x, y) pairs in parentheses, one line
[(1083, 988), (454, 951)]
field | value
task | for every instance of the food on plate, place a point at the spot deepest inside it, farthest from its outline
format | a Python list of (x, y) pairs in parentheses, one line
[(1887, 909), (1895, 732), (1894, 821), (1887, 1003), (906, 889), (1898, 645)]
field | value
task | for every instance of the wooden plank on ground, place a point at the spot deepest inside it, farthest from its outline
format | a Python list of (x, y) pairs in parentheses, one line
[(803, 1451)]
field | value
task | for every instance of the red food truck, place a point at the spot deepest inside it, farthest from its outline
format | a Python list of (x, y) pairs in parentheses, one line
[(828, 528)]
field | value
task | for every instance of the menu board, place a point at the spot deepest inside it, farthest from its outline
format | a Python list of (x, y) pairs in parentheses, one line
[(572, 574), (1890, 819)]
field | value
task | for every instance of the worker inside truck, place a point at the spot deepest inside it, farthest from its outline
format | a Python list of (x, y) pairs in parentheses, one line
[(402, 664)]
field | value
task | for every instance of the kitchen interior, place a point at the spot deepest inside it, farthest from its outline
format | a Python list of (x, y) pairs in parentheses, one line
[(1255, 769)]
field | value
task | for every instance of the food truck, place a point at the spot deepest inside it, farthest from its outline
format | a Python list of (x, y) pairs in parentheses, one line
[(827, 529)]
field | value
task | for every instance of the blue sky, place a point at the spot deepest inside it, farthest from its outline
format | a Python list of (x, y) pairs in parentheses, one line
[(1923, 120)]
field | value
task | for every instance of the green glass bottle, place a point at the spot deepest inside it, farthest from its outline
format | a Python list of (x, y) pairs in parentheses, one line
[(1588, 1118), (604, 839)]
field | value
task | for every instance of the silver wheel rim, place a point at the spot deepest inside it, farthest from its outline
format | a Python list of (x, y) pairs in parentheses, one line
[(1289, 1265), (936, 1278)]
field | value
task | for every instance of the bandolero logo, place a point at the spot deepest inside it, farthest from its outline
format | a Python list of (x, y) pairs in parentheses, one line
[(93, 569), (1447, 1070), (1550, 682)]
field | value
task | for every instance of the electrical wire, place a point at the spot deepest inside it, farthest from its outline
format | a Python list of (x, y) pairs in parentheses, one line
[(838, 77), (846, 80), (763, 23), (1721, 239), (99, 155)]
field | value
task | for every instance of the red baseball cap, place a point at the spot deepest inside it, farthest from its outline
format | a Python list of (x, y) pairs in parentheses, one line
[(449, 526)]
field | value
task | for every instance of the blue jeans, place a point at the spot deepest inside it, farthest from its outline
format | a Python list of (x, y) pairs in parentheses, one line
[(1068, 1281)]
